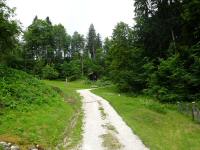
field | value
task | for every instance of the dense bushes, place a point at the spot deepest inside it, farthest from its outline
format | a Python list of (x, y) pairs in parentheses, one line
[(71, 70), (168, 83), (48, 72), (18, 88), (178, 77)]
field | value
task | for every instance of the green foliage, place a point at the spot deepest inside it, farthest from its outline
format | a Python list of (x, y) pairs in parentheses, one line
[(126, 61), (9, 30), (13, 60), (91, 42), (77, 45), (103, 82), (107, 45), (177, 78), (166, 83), (160, 55), (45, 44), (36, 68), (39, 41), (94, 66), (20, 89), (191, 28), (50, 44), (48, 72), (98, 41), (61, 41), (71, 70)]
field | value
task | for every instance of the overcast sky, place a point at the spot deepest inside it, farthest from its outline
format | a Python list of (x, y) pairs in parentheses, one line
[(77, 15)]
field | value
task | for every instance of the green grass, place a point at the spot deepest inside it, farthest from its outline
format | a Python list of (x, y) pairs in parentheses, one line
[(1, 147), (73, 98), (32, 112), (41, 124), (159, 126)]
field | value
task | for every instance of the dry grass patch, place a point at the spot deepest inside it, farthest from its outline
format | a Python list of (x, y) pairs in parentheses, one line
[(110, 141), (103, 114)]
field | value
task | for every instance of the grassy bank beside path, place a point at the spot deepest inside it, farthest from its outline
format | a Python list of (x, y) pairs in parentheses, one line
[(32, 112), (159, 126), (38, 112), (74, 130)]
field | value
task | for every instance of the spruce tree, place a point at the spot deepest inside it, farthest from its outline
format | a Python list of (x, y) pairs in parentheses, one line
[(91, 42)]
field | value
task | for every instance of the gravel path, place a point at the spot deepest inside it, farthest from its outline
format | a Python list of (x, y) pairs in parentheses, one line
[(103, 128)]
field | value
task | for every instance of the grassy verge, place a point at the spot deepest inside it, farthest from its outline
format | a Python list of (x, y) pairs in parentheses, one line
[(32, 112), (159, 126), (72, 97), (41, 125)]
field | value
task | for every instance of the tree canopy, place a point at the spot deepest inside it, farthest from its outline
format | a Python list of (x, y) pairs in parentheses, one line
[(159, 55), (9, 31)]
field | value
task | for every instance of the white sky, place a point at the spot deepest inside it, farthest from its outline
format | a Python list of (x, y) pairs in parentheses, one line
[(76, 15)]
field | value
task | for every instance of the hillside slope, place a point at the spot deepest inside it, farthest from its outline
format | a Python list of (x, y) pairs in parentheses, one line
[(18, 89), (31, 112)]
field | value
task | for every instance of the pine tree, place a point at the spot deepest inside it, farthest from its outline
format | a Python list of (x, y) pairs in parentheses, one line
[(91, 42), (98, 41)]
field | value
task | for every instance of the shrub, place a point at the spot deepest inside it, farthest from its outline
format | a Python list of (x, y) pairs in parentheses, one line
[(48, 72), (177, 77), (128, 73), (72, 70)]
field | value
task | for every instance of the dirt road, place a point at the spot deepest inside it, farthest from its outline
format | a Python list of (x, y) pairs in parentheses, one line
[(103, 128)]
